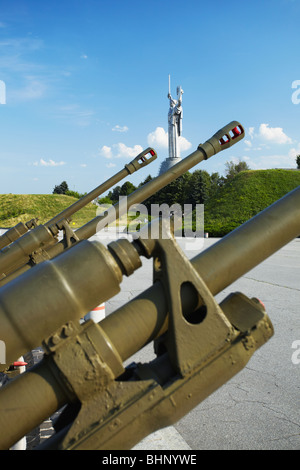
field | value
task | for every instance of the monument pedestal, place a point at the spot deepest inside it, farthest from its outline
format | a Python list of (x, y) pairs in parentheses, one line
[(167, 164)]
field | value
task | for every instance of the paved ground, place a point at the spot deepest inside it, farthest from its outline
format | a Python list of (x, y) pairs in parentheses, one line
[(260, 407)]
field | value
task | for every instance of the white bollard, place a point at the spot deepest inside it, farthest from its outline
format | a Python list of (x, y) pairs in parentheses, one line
[(21, 444), (97, 314)]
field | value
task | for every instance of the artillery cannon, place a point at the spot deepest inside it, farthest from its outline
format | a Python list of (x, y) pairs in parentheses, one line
[(140, 161), (199, 344), (46, 235)]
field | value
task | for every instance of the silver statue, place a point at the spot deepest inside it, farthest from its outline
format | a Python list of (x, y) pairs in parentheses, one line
[(174, 130), (174, 122)]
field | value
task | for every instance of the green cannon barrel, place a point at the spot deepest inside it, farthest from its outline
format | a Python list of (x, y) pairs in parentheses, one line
[(16, 232), (143, 159), (66, 288)]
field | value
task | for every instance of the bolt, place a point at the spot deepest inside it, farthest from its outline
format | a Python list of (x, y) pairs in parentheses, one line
[(67, 329), (55, 339)]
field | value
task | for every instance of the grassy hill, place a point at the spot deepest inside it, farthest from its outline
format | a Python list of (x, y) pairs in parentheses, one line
[(233, 204), (16, 208), (247, 194)]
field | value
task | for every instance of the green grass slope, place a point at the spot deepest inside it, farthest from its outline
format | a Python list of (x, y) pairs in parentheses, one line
[(236, 202), (16, 208), (245, 196)]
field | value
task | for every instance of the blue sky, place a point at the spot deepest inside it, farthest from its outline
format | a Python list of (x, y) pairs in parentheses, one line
[(86, 85)]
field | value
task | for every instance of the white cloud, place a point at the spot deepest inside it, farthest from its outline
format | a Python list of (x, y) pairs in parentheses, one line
[(110, 165), (118, 128), (294, 152), (184, 144), (263, 141), (124, 151), (50, 162), (159, 138), (34, 89), (20, 45), (264, 162), (120, 150), (236, 160), (274, 134), (251, 132), (74, 112), (83, 165), (14, 55), (106, 152), (83, 56)]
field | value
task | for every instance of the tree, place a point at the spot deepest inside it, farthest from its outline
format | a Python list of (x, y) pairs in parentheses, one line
[(216, 182), (62, 188), (104, 200), (199, 187), (233, 169), (149, 178), (127, 188), (114, 194), (76, 194), (124, 190), (298, 161)]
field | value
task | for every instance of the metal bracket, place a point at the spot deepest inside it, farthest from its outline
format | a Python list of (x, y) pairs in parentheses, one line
[(194, 336), (191, 337), (96, 361), (32, 223), (68, 233), (87, 365)]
